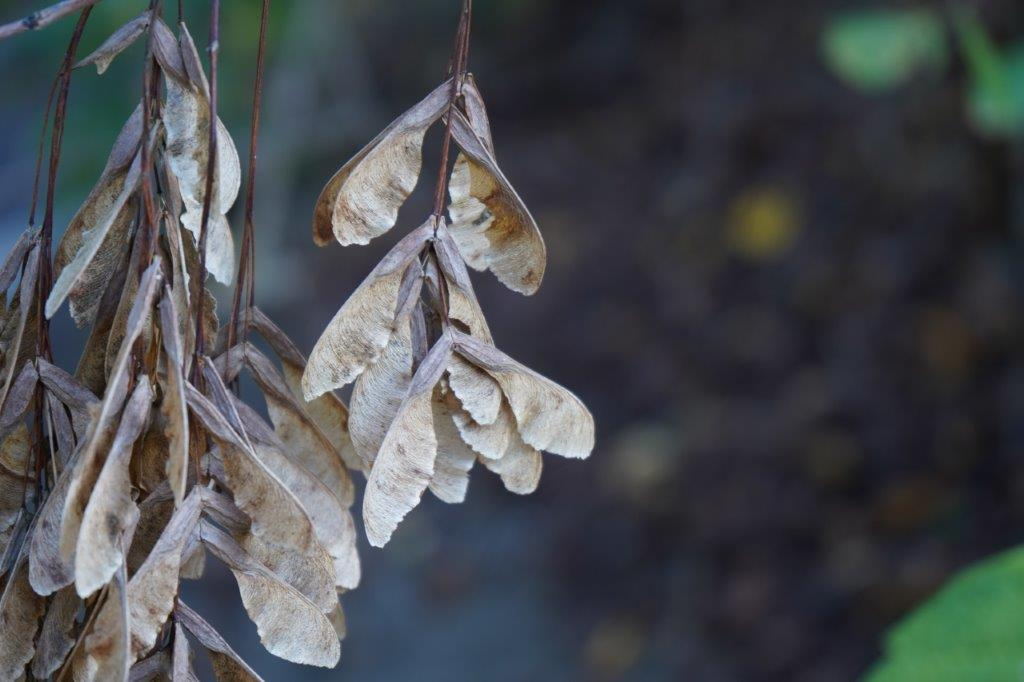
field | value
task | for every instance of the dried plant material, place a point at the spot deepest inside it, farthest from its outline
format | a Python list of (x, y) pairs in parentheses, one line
[(49, 570), (152, 589), (303, 440), (361, 329), (62, 431), (362, 199), (314, 579), (405, 463), (476, 112), (20, 611), (490, 223), (462, 303), (290, 625), (454, 458), (154, 668), (81, 402), (173, 406), (21, 392), (107, 649), (55, 640), (550, 418), (519, 466), (111, 511), (227, 665), (85, 278), (479, 394), (154, 513), (103, 429), (119, 41), (277, 515), (331, 521), (378, 393), (91, 371), (181, 659), (327, 411), (26, 297), (16, 257), (337, 618), (167, 52), (187, 122), (489, 440)]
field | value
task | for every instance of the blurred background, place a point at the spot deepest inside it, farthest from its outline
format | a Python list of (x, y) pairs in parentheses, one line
[(785, 273)]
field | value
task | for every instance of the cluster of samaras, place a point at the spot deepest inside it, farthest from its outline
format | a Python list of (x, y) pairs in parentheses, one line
[(432, 394), (148, 461)]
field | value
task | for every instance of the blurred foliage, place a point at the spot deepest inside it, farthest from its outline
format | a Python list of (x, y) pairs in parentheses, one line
[(972, 631), (996, 99), (876, 50)]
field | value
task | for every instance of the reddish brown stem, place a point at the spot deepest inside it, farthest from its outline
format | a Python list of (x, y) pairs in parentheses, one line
[(247, 264), (460, 57)]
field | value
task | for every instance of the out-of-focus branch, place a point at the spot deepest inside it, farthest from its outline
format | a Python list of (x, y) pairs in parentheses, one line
[(44, 17)]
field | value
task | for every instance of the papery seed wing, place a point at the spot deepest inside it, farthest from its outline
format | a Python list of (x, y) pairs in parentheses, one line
[(327, 411), (167, 52), (490, 441), (20, 611), (454, 457), (119, 41), (276, 513), (55, 639), (49, 571), (152, 589), (173, 407), (290, 626), (102, 431), (405, 463), (104, 243), (302, 438), (476, 112), (462, 302), (227, 666), (519, 467), (479, 394), (187, 120), (361, 329), (111, 511), (107, 651), (362, 199), (331, 520), (378, 393), (549, 417), (16, 352), (313, 579), (490, 223)]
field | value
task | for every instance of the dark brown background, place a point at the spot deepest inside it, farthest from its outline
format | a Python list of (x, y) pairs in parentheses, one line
[(793, 309)]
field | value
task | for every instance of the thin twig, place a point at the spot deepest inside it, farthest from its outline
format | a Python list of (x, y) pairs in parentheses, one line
[(247, 262), (150, 83), (44, 17)]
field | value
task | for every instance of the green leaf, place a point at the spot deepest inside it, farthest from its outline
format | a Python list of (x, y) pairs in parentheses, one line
[(877, 50), (995, 104), (972, 630)]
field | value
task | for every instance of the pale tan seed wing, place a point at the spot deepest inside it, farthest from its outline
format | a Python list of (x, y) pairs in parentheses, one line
[(362, 199), (152, 589), (174, 407), (20, 611), (378, 393), (116, 43), (360, 331), (405, 463), (227, 665), (289, 625), (55, 639), (455, 458), (490, 223), (549, 417), (111, 511)]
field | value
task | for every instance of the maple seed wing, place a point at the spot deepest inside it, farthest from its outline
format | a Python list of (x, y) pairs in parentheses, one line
[(490, 223), (362, 200)]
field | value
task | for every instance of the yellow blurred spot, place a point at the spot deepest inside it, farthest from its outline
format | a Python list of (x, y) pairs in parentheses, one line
[(763, 223), (613, 647)]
